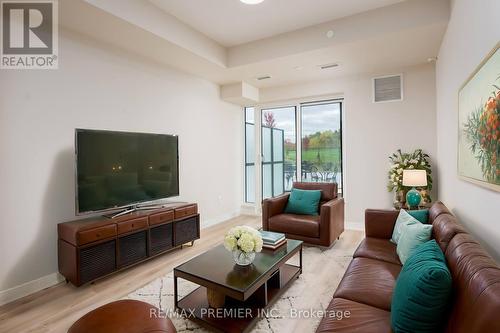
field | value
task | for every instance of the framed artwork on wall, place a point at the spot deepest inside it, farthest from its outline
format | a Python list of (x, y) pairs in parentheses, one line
[(479, 124)]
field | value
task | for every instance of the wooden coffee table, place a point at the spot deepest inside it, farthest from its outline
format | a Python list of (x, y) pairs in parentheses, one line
[(245, 291)]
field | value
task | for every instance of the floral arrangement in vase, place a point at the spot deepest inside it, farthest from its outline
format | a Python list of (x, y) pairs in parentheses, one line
[(483, 133), (400, 161), (243, 242)]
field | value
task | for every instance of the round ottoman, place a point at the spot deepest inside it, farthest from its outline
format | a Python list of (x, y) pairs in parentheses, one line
[(126, 316)]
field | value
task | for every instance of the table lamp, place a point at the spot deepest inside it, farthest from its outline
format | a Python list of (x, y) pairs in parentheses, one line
[(414, 178)]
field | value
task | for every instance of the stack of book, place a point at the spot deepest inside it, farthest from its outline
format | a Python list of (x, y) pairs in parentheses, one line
[(272, 240)]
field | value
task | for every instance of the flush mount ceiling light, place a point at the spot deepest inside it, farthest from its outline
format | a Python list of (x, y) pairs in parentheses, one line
[(251, 2)]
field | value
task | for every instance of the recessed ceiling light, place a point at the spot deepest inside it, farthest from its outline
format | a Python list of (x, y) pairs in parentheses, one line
[(330, 34), (251, 2), (298, 68)]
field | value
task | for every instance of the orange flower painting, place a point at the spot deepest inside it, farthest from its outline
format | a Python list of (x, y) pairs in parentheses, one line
[(479, 118)]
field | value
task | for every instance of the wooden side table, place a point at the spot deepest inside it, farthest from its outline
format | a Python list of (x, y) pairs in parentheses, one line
[(426, 205)]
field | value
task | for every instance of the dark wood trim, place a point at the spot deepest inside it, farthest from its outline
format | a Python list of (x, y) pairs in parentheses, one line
[(236, 294), (69, 249), (270, 287)]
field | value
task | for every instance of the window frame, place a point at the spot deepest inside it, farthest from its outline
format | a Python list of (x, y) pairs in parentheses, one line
[(340, 187), (272, 163), (297, 104), (245, 154), (295, 119)]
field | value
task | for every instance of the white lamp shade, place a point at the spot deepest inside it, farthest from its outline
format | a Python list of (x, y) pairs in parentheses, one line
[(414, 178)]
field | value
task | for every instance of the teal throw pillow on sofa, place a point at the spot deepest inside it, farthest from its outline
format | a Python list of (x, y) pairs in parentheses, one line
[(422, 292), (412, 236), (420, 214), (303, 202), (403, 219)]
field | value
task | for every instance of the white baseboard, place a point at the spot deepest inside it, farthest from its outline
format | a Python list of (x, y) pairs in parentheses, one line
[(249, 210), (219, 219), (355, 226), (31, 287), (28, 288)]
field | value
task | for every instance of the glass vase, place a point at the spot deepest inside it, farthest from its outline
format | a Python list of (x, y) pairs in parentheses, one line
[(242, 258)]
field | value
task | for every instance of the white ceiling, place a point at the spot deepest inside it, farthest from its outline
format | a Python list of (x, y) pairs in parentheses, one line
[(376, 41), (400, 49), (230, 22)]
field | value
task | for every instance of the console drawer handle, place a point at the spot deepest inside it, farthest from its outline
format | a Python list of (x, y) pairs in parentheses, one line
[(98, 235)]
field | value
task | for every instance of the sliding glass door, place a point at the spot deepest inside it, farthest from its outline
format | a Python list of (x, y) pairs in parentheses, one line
[(273, 160), (278, 150), (321, 142)]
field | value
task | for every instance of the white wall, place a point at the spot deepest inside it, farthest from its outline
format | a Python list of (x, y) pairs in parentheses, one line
[(373, 131), (103, 88), (473, 31)]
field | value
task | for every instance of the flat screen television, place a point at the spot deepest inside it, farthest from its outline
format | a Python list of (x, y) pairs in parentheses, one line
[(121, 169)]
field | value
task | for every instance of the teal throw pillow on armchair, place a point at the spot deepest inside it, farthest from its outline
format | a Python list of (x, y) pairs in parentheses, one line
[(422, 292), (303, 202)]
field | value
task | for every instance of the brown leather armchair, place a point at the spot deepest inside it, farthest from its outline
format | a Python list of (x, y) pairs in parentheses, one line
[(318, 230)]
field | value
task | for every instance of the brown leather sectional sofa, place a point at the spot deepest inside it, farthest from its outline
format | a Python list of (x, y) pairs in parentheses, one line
[(321, 229), (366, 288)]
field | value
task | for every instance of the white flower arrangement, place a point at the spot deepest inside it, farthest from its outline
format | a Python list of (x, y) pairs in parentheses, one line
[(243, 238), (402, 161)]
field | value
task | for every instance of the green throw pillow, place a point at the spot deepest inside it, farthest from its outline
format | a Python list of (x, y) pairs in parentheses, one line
[(412, 236), (303, 202), (421, 214), (422, 292), (403, 219)]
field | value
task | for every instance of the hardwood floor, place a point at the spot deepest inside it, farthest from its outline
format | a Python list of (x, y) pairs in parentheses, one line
[(55, 309)]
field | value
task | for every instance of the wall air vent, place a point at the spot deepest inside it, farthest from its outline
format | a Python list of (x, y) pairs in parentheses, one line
[(327, 66), (388, 88), (265, 77)]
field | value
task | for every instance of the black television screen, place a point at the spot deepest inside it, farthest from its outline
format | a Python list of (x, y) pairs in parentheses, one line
[(121, 169)]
